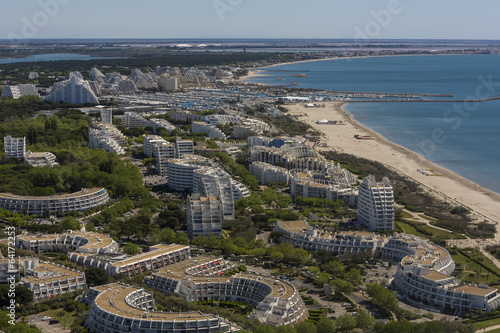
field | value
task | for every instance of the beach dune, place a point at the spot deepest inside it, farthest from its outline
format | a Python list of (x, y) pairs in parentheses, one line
[(484, 203)]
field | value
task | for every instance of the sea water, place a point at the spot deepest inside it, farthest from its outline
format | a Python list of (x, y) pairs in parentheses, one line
[(462, 137)]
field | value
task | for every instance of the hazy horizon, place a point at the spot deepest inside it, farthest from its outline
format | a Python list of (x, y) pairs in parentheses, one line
[(256, 19)]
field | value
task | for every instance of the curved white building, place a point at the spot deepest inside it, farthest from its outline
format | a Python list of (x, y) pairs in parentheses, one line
[(75, 90), (423, 277), (276, 302), (121, 308), (180, 171), (85, 199)]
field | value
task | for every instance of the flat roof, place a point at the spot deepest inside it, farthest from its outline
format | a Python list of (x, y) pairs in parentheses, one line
[(475, 290), (113, 300), (156, 251), (57, 273), (436, 276), (95, 240), (84, 191)]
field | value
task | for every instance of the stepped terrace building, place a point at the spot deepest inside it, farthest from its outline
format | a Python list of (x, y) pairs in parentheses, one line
[(85, 199), (299, 234), (121, 308), (266, 173), (49, 280), (40, 159), (276, 302), (423, 278), (150, 144), (91, 249), (204, 215), (16, 266), (115, 263)]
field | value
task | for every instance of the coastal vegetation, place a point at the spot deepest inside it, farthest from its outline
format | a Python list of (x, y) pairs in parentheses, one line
[(414, 197)]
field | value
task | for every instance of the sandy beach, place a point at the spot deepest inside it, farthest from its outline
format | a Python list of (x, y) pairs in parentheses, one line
[(484, 203)]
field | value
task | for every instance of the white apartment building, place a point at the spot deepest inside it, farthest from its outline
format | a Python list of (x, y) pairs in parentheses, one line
[(106, 115), (185, 116), (19, 90), (14, 147), (168, 84), (40, 159), (164, 151), (48, 280), (150, 143), (276, 302), (108, 137), (85, 199), (376, 204), (223, 119), (159, 255), (204, 215), (331, 186), (210, 130), (209, 182), (180, 171), (75, 90), (121, 308), (183, 147), (134, 120), (157, 123), (266, 173)]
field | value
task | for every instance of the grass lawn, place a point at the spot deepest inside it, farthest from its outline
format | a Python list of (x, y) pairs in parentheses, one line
[(67, 320), (428, 218), (470, 272), (487, 323), (426, 231)]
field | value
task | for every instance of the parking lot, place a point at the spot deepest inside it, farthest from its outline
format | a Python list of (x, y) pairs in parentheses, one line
[(44, 326)]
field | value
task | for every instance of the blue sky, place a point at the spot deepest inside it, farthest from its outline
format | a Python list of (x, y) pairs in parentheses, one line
[(403, 19)]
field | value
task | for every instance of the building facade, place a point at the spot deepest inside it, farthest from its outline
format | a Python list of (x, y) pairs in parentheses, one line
[(203, 215), (266, 173), (78, 201), (376, 204), (14, 147), (75, 90)]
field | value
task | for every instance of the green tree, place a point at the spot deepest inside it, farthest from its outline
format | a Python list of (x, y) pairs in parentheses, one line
[(96, 276), (70, 223), (322, 279), (23, 295), (131, 249), (383, 298), (342, 286), (345, 323), (334, 267), (364, 320), (306, 327), (325, 325)]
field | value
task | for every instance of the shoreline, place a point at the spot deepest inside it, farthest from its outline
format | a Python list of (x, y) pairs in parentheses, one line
[(483, 203), (252, 73)]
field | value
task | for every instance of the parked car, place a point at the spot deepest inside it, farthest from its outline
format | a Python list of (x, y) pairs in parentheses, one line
[(53, 321), (45, 318)]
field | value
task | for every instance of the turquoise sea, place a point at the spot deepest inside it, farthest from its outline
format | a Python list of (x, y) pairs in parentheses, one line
[(462, 137)]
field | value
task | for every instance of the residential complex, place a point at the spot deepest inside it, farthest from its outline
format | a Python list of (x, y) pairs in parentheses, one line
[(16, 266), (75, 90), (210, 130), (40, 159), (276, 301), (203, 215), (19, 90), (423, 278), (185, 116), (134, 120), (121, 308), (47, 280), (267, 173), (14, 147), (150, 145), (106, 136), (85, 199), (376, 204), (106, 115), (91, 249), (333, 185)]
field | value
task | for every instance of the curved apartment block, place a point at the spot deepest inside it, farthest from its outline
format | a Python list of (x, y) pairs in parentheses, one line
[(85, 199), (276, 302), (121, 308), (423, 277), (91, 249)]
